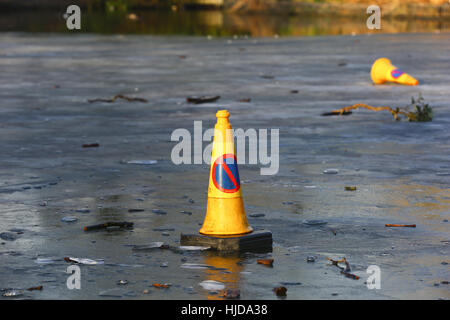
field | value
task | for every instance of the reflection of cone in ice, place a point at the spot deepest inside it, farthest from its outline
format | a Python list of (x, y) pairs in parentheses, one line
[(225, 214), (383, 70), (227, 270)]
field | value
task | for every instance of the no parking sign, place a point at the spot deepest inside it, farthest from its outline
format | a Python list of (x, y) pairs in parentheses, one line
[(225, 174)]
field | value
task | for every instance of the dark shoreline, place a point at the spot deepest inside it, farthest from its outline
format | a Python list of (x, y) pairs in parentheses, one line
[(404, 10), (213, 23)]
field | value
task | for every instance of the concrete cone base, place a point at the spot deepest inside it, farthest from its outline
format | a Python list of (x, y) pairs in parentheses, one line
[(257, 241)]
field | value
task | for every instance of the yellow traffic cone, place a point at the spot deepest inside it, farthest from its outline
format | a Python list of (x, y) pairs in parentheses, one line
[(225, 214), (383, 70)]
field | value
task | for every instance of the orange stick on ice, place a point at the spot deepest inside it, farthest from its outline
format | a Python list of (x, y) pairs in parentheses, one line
[(401, 225)]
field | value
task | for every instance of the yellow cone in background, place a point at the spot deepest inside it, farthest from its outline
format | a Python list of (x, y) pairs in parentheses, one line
[(383, 70), (225, 214)]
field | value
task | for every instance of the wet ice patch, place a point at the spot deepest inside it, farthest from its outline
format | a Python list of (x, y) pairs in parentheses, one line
[(112, 293), (291, 283), (83, 210), (164, 229), (257, 215), (69, 219), (142, 162), (212, 285), (44, 261), (315, 222), (159, 211), (85, 261), (193, 248), (150, 246), (195, 266), (8, 236), (12, 293), (124, 265)]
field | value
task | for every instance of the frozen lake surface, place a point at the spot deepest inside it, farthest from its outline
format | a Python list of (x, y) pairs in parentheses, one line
[(401, 169)]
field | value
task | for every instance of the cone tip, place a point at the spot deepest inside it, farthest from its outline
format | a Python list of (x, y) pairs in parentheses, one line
[(410, 80), (383, 58), (222, 114)]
